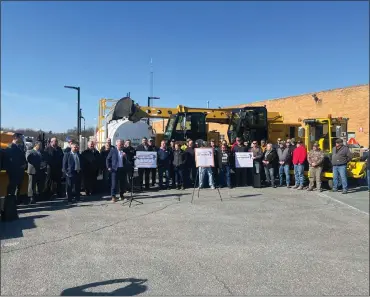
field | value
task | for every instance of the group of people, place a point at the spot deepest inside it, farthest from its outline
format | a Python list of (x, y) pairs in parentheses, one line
[(176, 167)]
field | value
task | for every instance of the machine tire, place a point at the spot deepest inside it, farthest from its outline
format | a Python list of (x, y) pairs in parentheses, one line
[(330, 184)]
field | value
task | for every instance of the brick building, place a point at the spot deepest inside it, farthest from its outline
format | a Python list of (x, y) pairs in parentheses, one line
[(350, 102)]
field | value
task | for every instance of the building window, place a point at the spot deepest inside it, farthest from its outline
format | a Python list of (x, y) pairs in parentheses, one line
[(222, 137), (291, 132)]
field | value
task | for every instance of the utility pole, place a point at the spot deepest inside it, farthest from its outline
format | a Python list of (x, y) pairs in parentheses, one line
[(78, 110)]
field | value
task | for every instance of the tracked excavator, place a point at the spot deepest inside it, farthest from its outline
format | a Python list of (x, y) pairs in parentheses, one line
[(251, 123)]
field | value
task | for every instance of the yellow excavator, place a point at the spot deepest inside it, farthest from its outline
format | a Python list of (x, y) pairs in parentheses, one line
[(251, 122), (325, 132)]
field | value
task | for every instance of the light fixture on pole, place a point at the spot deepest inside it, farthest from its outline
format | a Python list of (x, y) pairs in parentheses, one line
[(78, 109)]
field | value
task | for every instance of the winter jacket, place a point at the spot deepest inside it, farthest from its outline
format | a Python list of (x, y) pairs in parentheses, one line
[(316, 157), (270, 156), (164, 157), (299, 155), (341, 156), (257, 153), (240, 149), (223, 158), (178, 158), (90, 161), (189, 157), (285, 155)]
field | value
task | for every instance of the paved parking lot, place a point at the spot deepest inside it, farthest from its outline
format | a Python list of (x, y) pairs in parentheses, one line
[(255, 242)]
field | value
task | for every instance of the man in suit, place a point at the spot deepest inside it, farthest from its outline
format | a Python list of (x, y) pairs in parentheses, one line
[(35, 172), (117, 165), (72, 170), (15, 165)]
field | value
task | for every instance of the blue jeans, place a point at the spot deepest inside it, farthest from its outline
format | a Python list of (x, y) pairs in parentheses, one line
[(284, 169), (166, 171), (299, 174), (178, 176), (202, 172), (224, 176), (340, 172)]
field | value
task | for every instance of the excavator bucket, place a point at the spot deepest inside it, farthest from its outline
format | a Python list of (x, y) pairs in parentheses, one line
[(125, 108)]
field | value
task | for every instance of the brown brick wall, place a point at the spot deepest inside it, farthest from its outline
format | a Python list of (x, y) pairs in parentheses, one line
[(350, 102)]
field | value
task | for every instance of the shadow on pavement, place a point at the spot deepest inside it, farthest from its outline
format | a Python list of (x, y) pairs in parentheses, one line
[(243, 196), (134, 287), (14, 229)]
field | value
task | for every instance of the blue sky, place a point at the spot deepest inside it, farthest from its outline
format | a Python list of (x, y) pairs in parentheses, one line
[(225, 52)]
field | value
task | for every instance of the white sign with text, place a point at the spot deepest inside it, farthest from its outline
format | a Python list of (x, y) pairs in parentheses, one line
[(146, 159), (243, 160), (204, 157)]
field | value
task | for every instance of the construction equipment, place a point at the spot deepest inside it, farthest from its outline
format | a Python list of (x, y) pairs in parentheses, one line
[(325, 132), (251, 123), (119, 127)]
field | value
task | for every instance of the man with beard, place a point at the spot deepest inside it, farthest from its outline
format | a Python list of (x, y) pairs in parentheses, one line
[(90, 163), (54, 161)]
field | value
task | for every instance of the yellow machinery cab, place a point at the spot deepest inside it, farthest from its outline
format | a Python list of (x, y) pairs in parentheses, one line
[(325, 132)]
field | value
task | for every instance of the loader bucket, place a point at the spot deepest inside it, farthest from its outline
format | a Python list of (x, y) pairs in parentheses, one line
[(125, 108)]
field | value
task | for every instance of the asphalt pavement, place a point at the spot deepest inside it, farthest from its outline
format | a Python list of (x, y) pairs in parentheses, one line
[(253, 242)]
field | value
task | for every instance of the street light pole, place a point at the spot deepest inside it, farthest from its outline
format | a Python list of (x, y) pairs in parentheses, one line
[(153, 98), (78, 110)]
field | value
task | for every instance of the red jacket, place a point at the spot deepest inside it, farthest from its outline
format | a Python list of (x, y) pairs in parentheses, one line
[(299, 155)]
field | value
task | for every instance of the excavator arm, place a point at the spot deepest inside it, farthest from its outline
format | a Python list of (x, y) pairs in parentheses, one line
[(127, 108)]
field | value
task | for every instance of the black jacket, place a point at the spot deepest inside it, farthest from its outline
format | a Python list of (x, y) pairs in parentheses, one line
[(15, 159), (130, 152), (270, 157), (220, 156), (54, 158), (164, 157), (178, 158), (141, 148), (216, 157), (189, 157), (91, 161)]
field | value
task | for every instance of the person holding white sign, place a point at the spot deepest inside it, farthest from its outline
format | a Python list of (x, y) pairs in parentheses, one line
[(240, 173), (144, 147), (204, 158)]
